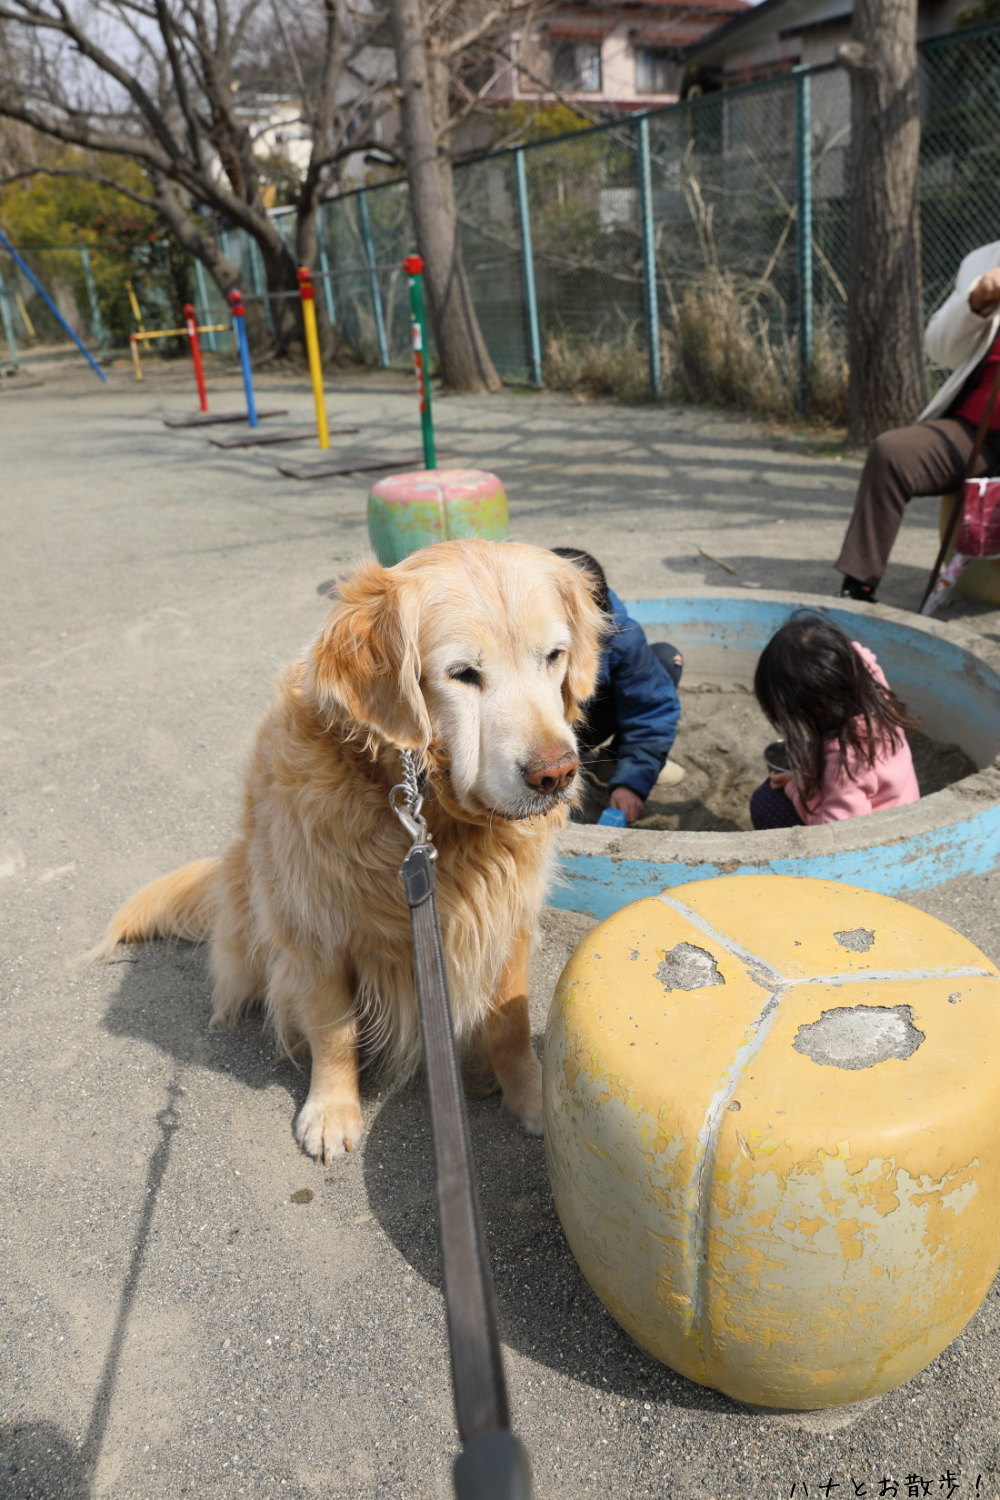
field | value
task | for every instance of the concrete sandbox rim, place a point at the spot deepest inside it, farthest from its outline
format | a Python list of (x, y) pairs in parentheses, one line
[(951, 833)]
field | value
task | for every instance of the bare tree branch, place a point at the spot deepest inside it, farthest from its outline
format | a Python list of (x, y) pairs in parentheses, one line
[(473, 102), (546, 86), (486, 23), (33, 15), (78, 133), (180, 79)]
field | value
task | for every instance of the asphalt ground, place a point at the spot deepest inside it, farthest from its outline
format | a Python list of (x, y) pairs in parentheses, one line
[(190, 1306)]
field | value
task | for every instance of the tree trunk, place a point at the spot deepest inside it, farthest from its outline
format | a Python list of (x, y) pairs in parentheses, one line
[(885, 315), (281, 279), (463, 358), (307, 254), (279, 273)]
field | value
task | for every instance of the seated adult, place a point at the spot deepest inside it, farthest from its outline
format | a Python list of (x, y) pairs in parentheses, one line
[(930, 457)]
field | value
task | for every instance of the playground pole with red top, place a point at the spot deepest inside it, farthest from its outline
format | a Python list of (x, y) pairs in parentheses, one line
[(307, 292), (414, 267), (240, 328), (191, 323)]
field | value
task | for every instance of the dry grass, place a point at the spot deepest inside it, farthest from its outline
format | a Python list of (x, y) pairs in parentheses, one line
[(597, 367), (726, 346), (724, 349), (829, 376)]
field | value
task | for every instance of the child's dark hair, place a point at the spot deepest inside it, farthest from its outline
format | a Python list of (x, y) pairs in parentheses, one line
[(815, 687), (593, 570)]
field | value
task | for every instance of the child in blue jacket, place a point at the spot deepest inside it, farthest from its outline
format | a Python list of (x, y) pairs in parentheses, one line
[(635, 704)]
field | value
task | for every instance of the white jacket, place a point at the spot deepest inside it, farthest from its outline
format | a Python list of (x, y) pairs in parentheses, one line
[(956, 337)]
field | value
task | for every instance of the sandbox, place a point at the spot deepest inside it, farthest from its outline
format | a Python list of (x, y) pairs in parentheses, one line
[(948, 675)]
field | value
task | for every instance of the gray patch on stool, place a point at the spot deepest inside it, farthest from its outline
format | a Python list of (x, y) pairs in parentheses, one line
[(687, 967), (859, 1036), (858, 939)]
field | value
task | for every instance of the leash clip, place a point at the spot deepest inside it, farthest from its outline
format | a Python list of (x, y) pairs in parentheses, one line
[(406, 801)]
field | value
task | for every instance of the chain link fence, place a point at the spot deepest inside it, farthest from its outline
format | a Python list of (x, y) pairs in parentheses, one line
[(726, 279), (960, 151), (700, 251)]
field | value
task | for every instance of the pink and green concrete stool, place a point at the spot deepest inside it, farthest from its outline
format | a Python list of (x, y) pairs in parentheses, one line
[(409, 511)]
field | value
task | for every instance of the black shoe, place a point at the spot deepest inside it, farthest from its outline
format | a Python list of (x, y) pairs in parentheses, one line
[(853, 588)]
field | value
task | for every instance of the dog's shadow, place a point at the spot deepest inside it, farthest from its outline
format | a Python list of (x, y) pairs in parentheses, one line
[(545, 1309), (163, 999)]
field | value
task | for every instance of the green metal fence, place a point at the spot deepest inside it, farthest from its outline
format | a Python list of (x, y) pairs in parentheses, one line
[(699, 251)]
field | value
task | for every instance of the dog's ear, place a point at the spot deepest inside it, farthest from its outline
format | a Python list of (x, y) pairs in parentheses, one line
[(588, 627), (366, 658)]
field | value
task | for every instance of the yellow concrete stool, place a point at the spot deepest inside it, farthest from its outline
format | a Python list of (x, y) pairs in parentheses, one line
[(772, 1122)]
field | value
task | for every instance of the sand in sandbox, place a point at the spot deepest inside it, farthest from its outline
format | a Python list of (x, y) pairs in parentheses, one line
[(720, 745)]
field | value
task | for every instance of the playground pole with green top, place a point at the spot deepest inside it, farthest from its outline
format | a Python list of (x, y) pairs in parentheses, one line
[(414, 266)]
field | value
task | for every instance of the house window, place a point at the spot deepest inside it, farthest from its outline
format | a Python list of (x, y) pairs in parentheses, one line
[(653, 68), (576, 67)]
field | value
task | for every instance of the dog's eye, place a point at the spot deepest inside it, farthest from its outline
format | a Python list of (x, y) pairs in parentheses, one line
[(470, 675), (555, 656)]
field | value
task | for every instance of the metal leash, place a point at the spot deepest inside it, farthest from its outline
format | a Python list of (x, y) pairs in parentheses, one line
[(492, 1464)]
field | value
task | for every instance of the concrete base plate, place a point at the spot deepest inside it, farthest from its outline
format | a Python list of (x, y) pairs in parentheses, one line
[(214, 418), (360, 465), (262, 439)]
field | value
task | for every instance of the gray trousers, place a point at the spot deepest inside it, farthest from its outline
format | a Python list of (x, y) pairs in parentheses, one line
[(928, 458)]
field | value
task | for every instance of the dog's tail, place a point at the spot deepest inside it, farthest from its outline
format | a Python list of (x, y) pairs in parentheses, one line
[(177, 905)]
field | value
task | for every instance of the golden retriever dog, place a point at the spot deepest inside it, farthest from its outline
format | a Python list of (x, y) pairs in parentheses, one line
[(476, 655)]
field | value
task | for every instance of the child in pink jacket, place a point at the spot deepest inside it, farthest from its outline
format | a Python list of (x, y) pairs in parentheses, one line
[(844, 728)]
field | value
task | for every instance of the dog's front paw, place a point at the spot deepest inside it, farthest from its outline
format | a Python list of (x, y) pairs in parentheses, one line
[(524, 1099), (531, 1120), (328, 1127)]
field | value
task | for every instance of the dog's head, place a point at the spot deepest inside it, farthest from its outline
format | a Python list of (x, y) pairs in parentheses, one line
[(483, 651)]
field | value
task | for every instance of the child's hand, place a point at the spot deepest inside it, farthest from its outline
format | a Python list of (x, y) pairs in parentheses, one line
[(627, 802), (778, 779)]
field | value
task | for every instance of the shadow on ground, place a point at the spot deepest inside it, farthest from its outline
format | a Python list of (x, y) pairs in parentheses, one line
[(546, 1310), (39, 1462), (163, 998)]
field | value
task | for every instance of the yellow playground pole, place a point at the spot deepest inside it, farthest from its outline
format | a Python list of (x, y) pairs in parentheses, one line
[(140, 327), (135, 339), (307, 292), (29, 326)]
